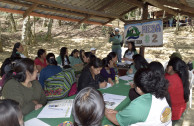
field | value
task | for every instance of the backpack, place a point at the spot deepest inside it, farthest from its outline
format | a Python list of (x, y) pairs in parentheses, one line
[(59, 85)]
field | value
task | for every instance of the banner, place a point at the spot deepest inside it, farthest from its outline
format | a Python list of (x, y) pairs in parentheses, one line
[(144, 34)]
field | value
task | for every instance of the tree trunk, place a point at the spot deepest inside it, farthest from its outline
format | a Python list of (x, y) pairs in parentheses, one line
[(34, 31), (177, 23), (48, 36), (24, 35), (59, 21), (1, 47), (12, 22)]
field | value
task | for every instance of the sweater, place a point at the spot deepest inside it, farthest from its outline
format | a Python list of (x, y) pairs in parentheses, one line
[(23, 95), (47, 72), (116, 41), (176, 92), (107, 75), (86, 79)]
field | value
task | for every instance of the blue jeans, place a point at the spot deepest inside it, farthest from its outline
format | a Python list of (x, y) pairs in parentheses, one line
[(118, 52)]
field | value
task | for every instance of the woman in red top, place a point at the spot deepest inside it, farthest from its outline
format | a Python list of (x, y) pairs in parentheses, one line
[(177, 75), (40, 61)]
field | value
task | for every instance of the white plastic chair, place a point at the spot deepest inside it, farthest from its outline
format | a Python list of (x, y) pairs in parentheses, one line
[(191, 77)]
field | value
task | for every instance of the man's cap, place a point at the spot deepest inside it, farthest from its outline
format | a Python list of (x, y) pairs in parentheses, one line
[(92, 49), (117, 29)]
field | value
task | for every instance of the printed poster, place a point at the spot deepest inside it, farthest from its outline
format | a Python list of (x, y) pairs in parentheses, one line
[(145, 33)]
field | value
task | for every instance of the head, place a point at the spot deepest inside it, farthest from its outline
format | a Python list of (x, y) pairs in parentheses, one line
[(176, 65), (75, 53), (86, 57), (116, 31), (88, 108), (106, 61), (23, 69), (95, 66), (146, 81), (41, 53), (81, 54), (50, 58), (131, 46), (10, 113), (139, 61), (112, 56), (157, 67), (18, 48), (93, 51), (63, 54), (175, 54)]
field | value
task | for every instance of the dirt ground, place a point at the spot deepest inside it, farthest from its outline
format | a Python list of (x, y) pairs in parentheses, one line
[(95, 36)]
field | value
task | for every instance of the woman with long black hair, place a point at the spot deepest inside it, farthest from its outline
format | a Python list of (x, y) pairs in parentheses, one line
[(18, 49), (178, 77), (63, 59)]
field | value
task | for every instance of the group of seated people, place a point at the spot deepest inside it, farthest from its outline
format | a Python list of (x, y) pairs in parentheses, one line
[(157, 96)]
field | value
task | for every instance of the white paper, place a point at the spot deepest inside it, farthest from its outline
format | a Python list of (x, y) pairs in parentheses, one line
[(128, 62), (107, 86), (112, 100), (127, 77), (121, 63), (35, 122), (57, 109)]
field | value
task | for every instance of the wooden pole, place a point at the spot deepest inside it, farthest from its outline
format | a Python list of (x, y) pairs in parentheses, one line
[(177, 23), (144, 17)]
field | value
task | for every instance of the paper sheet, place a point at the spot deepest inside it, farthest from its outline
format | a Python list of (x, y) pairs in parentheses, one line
[(57, 109), (35, 122), (108, 85), (127, 77), (112, 100)]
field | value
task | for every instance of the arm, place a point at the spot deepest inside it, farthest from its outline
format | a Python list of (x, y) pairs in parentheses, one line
[(42, 100), (42, 79), (111, 115), (39, 68), (12, 91), (112, 75)]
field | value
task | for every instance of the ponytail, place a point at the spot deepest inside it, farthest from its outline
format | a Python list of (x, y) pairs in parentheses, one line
[(51, 59)]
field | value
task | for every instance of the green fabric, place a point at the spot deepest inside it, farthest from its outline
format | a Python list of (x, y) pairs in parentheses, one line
[(116, 40), (59, 85), (119, 89), (133, 68), (24, 95), (74, 60), (136, 111), (193, 64), (59, 61)]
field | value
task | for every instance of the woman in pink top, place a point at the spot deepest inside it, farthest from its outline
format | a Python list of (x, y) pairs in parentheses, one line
[(177, 75), (40, 61)]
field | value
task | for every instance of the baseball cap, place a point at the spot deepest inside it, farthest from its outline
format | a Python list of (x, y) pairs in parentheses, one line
[(117, 29), (92, 49)]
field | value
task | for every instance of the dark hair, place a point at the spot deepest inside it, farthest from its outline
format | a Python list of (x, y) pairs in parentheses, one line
[(139, 61), (88, 54), (158, 70), (80, 54), (111, 55), (106, 61), (74, 51), (17, 45), (50, 58), (8, 61), (63, 52), (88, 108), (133, 46), (19, 69), (96, 63), (10, 113), (148, 82), (180, 67), (40, 52)]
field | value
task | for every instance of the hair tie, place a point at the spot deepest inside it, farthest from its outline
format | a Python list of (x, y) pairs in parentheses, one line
[(14, 73)]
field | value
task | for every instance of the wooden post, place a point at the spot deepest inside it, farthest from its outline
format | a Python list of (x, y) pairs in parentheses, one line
[(177, 23), (144, 17), (1, 46)]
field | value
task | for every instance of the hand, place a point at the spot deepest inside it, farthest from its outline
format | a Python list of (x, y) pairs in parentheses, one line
[(130, 71), (132, 85), (110, 111), (103, 84), (37, 106), (110, 65), (110, 81), (35, 102)]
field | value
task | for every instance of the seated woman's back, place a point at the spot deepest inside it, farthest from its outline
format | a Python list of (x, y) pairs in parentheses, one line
[(50, 70)]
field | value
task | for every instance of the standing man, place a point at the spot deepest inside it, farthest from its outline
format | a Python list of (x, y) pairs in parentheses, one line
[(116, 40)]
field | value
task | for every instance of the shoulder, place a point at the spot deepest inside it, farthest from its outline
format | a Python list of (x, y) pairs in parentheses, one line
[(12, 82), (36, 84), (37, 60)]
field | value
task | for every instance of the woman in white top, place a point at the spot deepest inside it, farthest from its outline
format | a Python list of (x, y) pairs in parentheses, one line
[(128, 56), (18, 49)]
